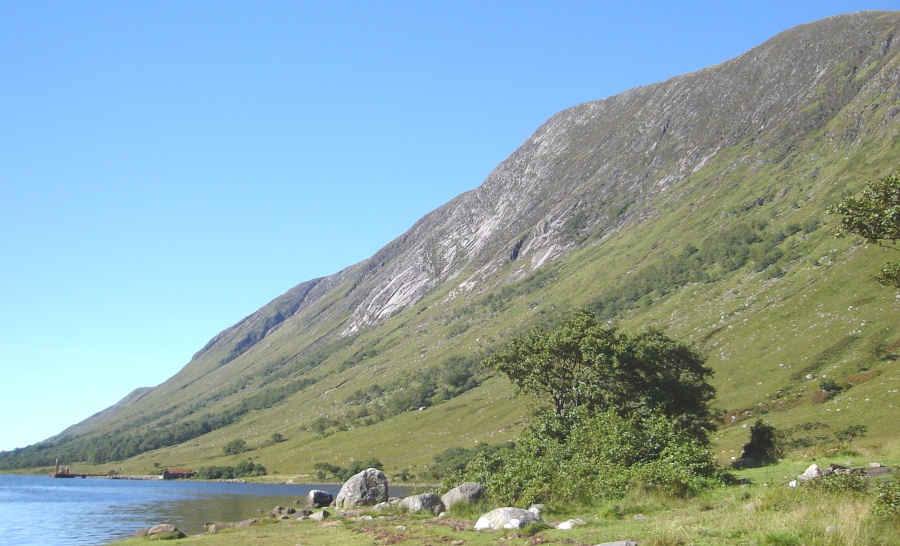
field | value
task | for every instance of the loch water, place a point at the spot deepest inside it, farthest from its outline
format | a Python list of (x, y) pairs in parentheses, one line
[(40, 510)]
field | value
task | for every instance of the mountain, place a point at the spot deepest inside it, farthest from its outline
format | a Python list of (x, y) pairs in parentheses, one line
[(696, 205)]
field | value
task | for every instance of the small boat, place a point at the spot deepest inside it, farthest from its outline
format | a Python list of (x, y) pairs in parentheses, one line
[(65, 472)]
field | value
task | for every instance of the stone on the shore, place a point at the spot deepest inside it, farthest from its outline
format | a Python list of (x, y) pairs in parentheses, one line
[(367, 488), (213, 528), (322, 515), (507, 518), (165, 530), (429, 502), (570, 524), (319, 499), (466, 492)]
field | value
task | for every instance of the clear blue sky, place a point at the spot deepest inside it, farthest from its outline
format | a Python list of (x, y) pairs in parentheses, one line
[(168, 167)]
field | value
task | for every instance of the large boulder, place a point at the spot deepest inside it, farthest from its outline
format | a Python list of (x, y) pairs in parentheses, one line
[(507, 518), (421, 503), (319, 499), (367, 488), (467, 492)]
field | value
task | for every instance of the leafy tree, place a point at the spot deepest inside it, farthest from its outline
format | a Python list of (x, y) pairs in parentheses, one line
[(584, 364), (277, 437), (764, 445), (235, 447), (875, 216), (846, 436)]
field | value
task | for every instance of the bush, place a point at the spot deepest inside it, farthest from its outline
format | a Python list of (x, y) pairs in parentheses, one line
[(887, 501), (235, 447), (764, 446), (591, 457)]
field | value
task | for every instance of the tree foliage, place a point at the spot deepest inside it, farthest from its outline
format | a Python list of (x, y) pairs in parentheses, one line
[(618, 411), (875, 216), (585, 364), (235, 447)]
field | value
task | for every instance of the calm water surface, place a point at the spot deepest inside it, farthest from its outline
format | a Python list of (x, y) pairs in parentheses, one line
[(42, 510)]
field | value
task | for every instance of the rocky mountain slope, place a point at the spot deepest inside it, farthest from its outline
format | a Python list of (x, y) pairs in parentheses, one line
[(685, 204)]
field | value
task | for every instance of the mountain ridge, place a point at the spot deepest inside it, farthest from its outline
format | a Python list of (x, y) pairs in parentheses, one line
[(764, 131)]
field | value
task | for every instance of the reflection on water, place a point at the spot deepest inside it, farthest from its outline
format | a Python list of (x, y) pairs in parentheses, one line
[(42, 510)]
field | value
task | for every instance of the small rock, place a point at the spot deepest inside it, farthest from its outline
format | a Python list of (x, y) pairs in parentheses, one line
[(334, 523), (875, 465), (620, 543), (400, 527), (170, 531), (506, 518), (213, 528), (428, 502), (640, 516), (319, 516), (466, 492), (570, 524), (811, 473), (161, 528)]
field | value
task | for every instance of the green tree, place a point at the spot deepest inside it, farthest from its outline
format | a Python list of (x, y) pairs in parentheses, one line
[(875, 216), (277, 437), (235, 447), (764, 446), (584, 364), (847, 435)]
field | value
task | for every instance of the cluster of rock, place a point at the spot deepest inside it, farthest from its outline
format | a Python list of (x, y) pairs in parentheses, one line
[(874, 470), (369, 488)]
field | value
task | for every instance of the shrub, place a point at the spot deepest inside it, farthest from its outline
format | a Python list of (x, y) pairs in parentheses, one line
[(764, 446), (887, 501), (584, 458), (235, 447)]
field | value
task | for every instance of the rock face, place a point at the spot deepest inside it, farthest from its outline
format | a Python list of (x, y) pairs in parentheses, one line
[(507, 518), (367, 488), (421, 503), (466, 492)]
